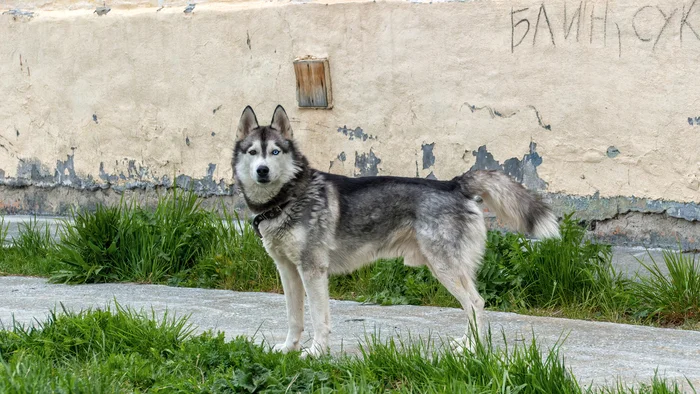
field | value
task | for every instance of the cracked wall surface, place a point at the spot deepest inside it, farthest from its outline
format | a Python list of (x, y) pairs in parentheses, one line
[(590, 103)]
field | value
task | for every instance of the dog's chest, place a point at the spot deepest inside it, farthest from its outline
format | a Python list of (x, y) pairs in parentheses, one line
[(282, 241)]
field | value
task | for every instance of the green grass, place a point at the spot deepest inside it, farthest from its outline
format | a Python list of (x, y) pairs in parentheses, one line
[(129, 243), (30, 253), (671, 299), (235, 261), (120, 350), (4, 229), (180, 244)]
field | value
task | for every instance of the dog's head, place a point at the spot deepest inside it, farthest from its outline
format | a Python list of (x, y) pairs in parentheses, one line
[(264, 157)]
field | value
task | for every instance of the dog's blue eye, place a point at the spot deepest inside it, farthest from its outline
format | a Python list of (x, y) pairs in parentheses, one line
[(252, 152), (275, 152)]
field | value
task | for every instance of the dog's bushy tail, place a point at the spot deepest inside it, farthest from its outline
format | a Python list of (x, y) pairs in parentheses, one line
[(511, 202)]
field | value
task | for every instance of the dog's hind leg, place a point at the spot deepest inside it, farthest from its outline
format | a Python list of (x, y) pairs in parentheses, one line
[(475, 316), (463, 288), (294, 295), (314, 274), (455, 266)]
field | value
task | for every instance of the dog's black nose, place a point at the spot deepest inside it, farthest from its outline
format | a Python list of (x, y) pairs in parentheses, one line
[(263, 171)]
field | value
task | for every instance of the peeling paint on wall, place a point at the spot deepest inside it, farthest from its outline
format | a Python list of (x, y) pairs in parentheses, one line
[(648, 230), (34, 200), (523, 170), (341, 156), (428, 157), (200, 186), (65, 171), (634, 221), (18, 14), (366, 164), (612, 152), (355, 134), (107, 177), (630, 221), (31, 172), (102, 10), (602, 208)]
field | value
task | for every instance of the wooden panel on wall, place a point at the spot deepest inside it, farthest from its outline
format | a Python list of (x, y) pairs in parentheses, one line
[(313, 83)]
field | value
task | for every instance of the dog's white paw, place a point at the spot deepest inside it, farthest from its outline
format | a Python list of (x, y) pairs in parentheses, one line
[(314, 351), (285, 348), (463, 344)]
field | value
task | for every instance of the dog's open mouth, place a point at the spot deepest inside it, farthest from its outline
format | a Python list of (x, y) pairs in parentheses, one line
[(263, 180)]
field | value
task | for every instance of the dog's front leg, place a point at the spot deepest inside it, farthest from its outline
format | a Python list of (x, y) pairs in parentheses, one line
[(315, 276), (294, 295)]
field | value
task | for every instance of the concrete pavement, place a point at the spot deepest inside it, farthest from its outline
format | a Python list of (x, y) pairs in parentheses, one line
[(598, 353)]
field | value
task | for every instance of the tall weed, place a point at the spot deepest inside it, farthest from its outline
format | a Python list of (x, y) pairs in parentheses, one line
[(672, 298), (128, 242), (31, 252), (390, 282), (235, 260), (550, 273), (4, 230), (34, 240)]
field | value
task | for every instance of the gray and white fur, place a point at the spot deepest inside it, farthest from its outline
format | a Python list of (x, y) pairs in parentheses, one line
[(331, 224)]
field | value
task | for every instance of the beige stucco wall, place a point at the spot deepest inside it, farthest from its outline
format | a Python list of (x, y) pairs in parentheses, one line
[(406, 73)]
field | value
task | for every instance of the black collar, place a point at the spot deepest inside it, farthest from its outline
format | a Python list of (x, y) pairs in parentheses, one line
[(271, 213)]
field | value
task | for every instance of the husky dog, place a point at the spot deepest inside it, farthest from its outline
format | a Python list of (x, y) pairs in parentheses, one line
[(314, 224)]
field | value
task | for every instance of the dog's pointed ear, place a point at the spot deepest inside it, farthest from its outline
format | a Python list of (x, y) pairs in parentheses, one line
[(280, 121), (247, 123)]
